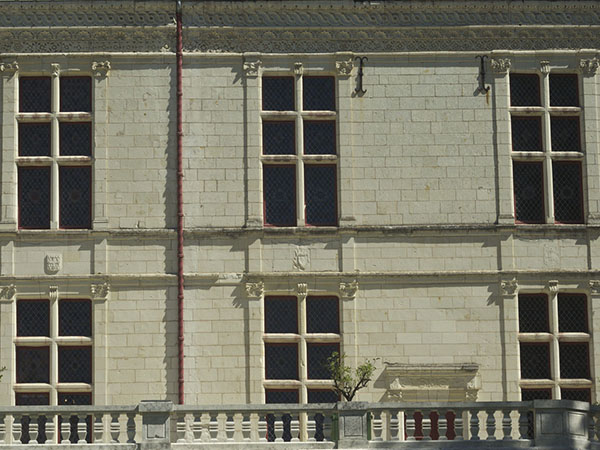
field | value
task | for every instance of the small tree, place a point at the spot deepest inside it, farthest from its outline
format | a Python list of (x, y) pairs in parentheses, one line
[(345, 382)]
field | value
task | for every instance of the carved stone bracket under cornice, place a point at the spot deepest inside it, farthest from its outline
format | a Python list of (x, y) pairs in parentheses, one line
[(8, 292), (500, 65), (545, 66), (589, 67), (298, 68), (509, 287), (302, 290), (343, 67), (55, 69), (9, 67), (349, 290), (553, 286), (595, 287), (255, 290), (100, 291), (100, 69), (53, 293), (252, 68)]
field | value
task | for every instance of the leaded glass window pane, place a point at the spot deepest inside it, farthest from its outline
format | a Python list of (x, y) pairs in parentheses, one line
[(34, 139), (281, 315), (320, 194), (533, 313), (33, 318), (536, 394), (34, 94), (319, 137), (33, 364), (279, 187), (565, 134), (572, 313), (34, 197), (75, 139), (564, 90), (526, 133), (75, 364), (75, 197), (322, 315), (535, 361), (281, 361), (75, 318), (574, 360), (317, 355), (318, 93), (279, 138), (529, 192), (581, 395), (322, 396), (75, 94), (524, 90), (568, 196), (281, 396), (278, 94)]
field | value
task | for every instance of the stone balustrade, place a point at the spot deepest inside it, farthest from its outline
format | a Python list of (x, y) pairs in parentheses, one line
[(156, 425)]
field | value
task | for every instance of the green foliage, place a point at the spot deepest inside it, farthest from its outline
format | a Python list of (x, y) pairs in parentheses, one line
[(345, 382), (2, 370)]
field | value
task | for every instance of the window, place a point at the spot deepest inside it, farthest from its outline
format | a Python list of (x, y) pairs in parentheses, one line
[(547, 152), (54, 152), (299, 151), (58, 360), (554, 350), (299, 335)]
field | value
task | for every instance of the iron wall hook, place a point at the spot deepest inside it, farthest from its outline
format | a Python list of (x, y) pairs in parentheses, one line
[(361, 61), (482, 88)]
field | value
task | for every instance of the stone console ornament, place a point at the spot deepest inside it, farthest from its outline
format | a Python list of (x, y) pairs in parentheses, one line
[(251, 68), (100, 291), (500, 65), (100, 69), (255, 290), (509, 287), (8, 292), (589, 67), (595, 287), (349, 289), (9, 67)]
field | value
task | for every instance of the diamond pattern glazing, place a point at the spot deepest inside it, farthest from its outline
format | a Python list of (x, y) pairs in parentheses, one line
[(34, 197), (279, 188), (526, 133), (565, 134), (529, 192), (76, 94), (34, 94), (281, 315), (75, 139), (281, 361), (75, 197), (317, 355), (524, 90), (34, 139), (279, 138), (568, 198), (533, 314), (320, 195), (574, 360), (536, 394), (278, 94), (33, 318), (581, 395), (75, 364), (33, 364), (319, 137), (572, 313), (535, 360), (322, 396), (75, 318), (564, 89), (281, 396), (322, 315), (318, 93)]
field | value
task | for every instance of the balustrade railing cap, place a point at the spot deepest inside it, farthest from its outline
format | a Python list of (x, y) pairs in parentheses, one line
[(150, 406), (352, 406), (561, 404)]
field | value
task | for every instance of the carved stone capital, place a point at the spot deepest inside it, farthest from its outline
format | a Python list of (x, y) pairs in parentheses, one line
[(252, 68), (255, 290), (100, 291), (8, 292), (298, 68), (53, 293), (302, 290), (9, 67), (349, 289), (100, 69), (509, 287), (500, 65), (344, 67), (595, 287), (589, 67), (545, 66), (553, 286), (55, 69)]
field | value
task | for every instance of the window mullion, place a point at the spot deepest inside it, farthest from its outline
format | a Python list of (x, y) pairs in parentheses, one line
[(302, 352), (300, 201), (53, 350), (54, 150), (554, 347), (547, 143)]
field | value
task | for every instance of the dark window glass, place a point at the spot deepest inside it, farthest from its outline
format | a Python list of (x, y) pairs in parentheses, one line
[(34, 94), (281, 315), (34, 197), (564, 90), (572, 313), (574, 360), (524, 90), (320, 195), (76, 139), (582, 395), (317, 355), (281, 396), (281, 361), (278, 94), (536, 394), (535, 361), (319, 137), (533, 313), (65, 398), (76, 94), (75, 364), (529, 192), (279, 186), (34, 139), (32, 399), (75, 197), (319, 93), (322, 396), (75, 318), (33, 365), (526, 133), (568, 198), (33, 318), (322, 315), (565, 134), (279, 138)]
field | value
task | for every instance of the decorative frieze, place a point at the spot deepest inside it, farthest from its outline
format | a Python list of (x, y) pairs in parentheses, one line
[(589, 67), (255, 290), (348, 290), (8, 292), (100, 291)]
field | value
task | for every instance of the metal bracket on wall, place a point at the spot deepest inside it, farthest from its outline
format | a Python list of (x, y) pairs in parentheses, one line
[(361, 60), (482, 88)]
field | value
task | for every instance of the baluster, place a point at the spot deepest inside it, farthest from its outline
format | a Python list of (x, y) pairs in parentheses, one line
[(410, 425), (394, 428), (17, 429), (327, 426), (131, 428), (213, 426), (295, 428), (490, 425), (592, 428), (311, 427), (442, 425), (262, 428), (278, 426), (188, 422), (229, 426), (458, 425), (2, 429), (597, 421), (82, 428), (99, 428), (197, 427), (180, 428), (376, 426), (51, 436), (33, 428), (115, 427), (474, 425), (205, 427), (426, 425), (524, 425), (65, 430), (506, 425), (246, 426)]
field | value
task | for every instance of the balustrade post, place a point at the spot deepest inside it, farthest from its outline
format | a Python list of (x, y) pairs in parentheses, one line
[(442, 425), (262, 428), (327, 426), (131, 428), (229, 426), (180, 427), (394, 427), (246, 426), (376, 426), (156, 424), (295, 428), (115, 427), (426, 424), (17, 429), (352, 425), (197, 427), (81, 428), (524, 425), (2, 429), (205, 436), (65, 430), (51, 435), (458, 425), (213, 426), (99, 428), (311, 427), (592, 424), (506, 425), (33, 428), (490, 425), (410, 425), (474, 425), (278, 426)]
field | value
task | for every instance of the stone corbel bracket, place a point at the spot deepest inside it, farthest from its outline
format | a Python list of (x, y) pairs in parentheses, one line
[(9, 68), (100, 69), (53, 293), (298, 68), (255, 290), (589, 67), (100, 291), (509, 287), (55, 69), (252, 68), (8, 292), (553, 286), (349, 289), (344, 64), (302, 290), (500, 65), (595, 287)]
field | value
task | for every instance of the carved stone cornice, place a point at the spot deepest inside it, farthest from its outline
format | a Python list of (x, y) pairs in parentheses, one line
[(589, 67), (255, 290)]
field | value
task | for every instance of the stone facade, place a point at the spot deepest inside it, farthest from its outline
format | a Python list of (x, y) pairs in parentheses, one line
[(425, 258)]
